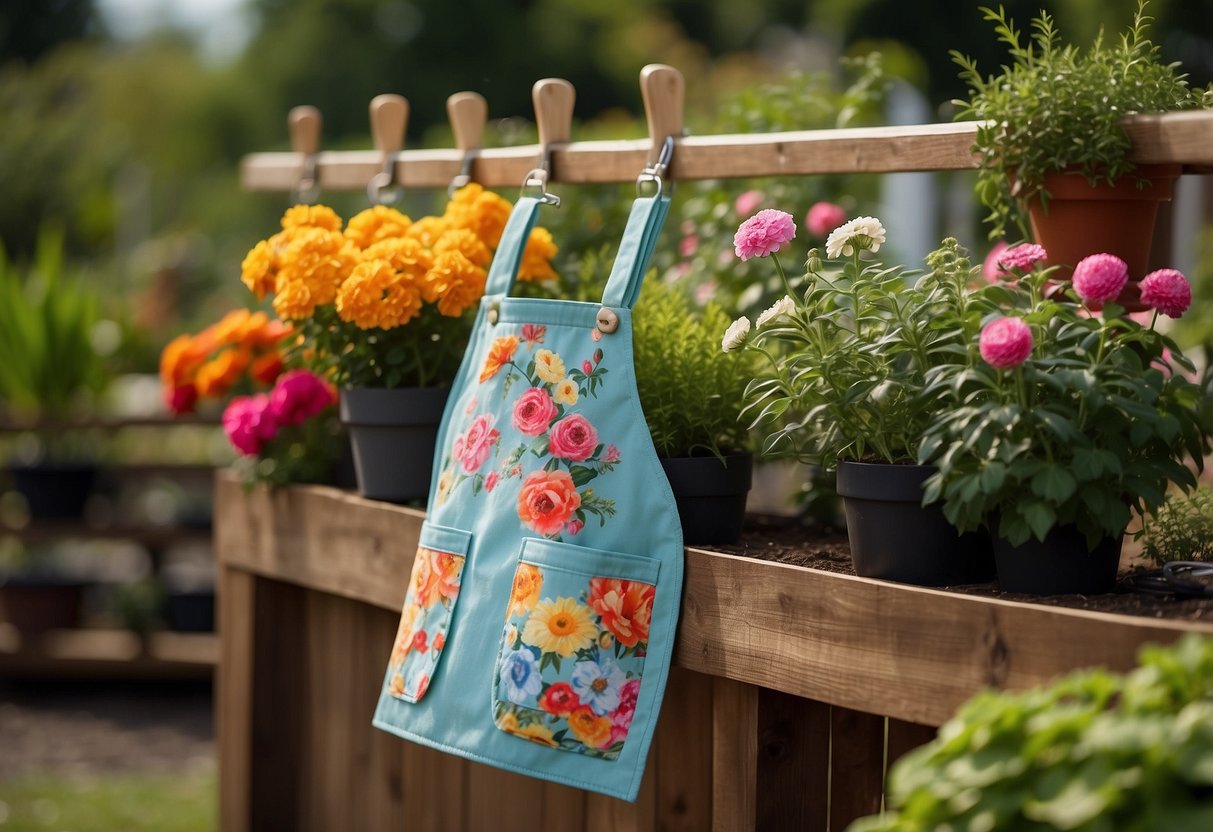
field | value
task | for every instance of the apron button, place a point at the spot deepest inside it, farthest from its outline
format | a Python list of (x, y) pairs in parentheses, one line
[(608, 321), (493, 314)]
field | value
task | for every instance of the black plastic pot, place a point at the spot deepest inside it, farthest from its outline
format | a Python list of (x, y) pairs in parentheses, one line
[(54, 490), (392, 433), (895, 538), (35, 603), (190, 611), (710, 496), (1060, 565)]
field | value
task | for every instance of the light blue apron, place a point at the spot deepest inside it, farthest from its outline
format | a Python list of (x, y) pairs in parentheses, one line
[(539, 621)]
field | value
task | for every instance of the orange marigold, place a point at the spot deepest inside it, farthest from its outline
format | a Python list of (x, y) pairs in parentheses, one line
[(259, 268), (427, 230), (217, 376), (537, 257), (376, 295), (311, 216), (382, 222), (482, 212), (501, 352), (180, 360), (456, 282), (405, 254), (320, 260), (465, 242), (293, 300)]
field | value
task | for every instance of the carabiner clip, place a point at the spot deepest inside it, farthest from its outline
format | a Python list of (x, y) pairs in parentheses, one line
[(655, 172)]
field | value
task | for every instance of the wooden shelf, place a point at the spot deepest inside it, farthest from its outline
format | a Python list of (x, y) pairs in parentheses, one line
[(108, 654), (44, 531), (107, 423)]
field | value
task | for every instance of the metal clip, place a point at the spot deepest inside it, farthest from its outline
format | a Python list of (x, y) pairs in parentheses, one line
[(655, 172), (308, 189), (536, 181), (381, 190), (464, 177)]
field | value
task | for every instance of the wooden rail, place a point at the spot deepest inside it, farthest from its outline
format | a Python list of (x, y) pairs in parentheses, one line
[(772, 660), (1173, 137)]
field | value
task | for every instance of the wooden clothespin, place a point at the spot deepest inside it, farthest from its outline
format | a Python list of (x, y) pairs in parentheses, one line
[(553, 99), (468, 113), (663, 89), (303, 123), (389, 119)]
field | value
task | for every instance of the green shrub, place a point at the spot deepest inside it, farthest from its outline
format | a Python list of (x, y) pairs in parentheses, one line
[(1181, 528)]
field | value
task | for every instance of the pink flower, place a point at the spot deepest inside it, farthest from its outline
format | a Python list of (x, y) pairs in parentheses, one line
[(1006, 343), (689, 245), (474, 448), (1023, 257), (595, 334), (249, 423), (587, 367), (705, 291), (597, 355), (824, 217), (764, 233), (490, 482), (747, 202), (1168, 291), (991, 268), (471, 405), (573, 438), (298, 396), (574, 526), (1100, 278), (611, 454), (181, 399), (533, 334), (621, 717), (534, 411)]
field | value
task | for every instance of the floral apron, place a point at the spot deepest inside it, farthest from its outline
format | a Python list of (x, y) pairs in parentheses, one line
[(539, 620)]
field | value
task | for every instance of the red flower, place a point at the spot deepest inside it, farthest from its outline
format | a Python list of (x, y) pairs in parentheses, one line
[(547, 500), (419, 641), (560, 699)]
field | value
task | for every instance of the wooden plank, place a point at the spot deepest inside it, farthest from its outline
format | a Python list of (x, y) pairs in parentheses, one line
[(734, 756), (234, 699), (385, 785), (502, 800), (327, 789), (437, 787), (1179, 137), (856, 765), (904, 737), (681, 759), (608, 814), (563, 808), (793, 762)]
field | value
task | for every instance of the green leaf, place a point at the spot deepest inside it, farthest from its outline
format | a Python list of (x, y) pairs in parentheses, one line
[(1039, 516), (1054, 482), (582, 474)]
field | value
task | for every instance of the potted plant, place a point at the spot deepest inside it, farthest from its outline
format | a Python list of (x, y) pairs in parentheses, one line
[(1056, 421), (847, 352), (1091, 751), (382, 307), (692, 396), (1052, 146)]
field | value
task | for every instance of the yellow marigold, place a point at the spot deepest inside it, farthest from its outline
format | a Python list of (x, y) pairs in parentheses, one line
[(405, 254), (381, 222), (465, 242), (311, 216), (293, 300), (321, 260), (376, 295), (427, 230), (482, 212), (537, 257), (259, 268), (455, 282)]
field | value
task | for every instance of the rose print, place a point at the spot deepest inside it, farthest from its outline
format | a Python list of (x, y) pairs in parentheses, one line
[(560, 699), (419, 639), (534, 411), (472, 448), (490, 482), (626, 608), (573, 438), (621, 717), (547, 501)]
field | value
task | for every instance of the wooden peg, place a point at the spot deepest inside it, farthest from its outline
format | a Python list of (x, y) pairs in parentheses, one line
[(663, 89), (468, 112), (389, 118), (553, 99), (304, 124)]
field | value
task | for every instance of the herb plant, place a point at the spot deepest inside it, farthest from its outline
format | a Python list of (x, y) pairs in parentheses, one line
[(691, 393), (1181, 528), (1092, 751), (1053, 106)]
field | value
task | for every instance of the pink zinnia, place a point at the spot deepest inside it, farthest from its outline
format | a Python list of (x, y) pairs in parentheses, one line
[(298, 396), (1022, 257), (747, 202), (249, 423), (1100, 278), (1168, 291), (824, 217), (764, 233), (689, 245), (991, 268), (1005, 343)]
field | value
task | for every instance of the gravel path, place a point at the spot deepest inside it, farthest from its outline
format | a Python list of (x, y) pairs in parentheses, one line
[(83, 728)]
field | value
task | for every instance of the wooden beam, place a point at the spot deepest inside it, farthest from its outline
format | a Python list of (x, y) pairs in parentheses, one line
[(1173, 137)]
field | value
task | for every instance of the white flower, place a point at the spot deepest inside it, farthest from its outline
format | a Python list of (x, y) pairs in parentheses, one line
[(780, 309), (861, 232), (736, 334)]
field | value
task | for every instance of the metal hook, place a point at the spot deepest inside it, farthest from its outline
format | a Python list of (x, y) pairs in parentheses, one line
[(535, 183), (381, 190), (655, 172), (389, 117), (464, 177), (468, 113), (553, 100), (303, 123)]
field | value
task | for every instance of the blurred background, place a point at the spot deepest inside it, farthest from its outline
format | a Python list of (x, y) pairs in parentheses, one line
[(122, 126)]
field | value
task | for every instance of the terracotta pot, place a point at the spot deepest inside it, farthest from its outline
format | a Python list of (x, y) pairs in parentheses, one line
[(1117, 219)]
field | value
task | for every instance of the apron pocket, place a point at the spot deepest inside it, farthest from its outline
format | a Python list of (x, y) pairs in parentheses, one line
[(572, 656), (426, 619)]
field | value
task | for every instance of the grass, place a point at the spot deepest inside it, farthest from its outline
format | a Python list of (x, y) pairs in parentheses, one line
[(125, 802)]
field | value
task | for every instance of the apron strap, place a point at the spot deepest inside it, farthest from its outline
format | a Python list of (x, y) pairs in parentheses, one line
[(639, 239), (508, 258)]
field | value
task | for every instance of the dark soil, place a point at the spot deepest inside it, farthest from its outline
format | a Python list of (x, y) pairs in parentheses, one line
[(786, 540)]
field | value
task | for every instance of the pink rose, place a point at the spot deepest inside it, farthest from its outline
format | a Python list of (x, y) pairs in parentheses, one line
[(575, 526), (547, 500), (824, 217), (249, 423), (611, 454), (298, 396), (1100, 278), (764, 233), (1168, 291), (477, 442), (747, 202), (621, 717), (573, 438), (1023, 257), (490, 482), (587, 367), (534, 411), (1006, 343)]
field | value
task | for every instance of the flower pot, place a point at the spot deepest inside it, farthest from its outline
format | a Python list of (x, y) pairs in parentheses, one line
[(895, 538), (710, 496), (54, 490), (392, 433), (1059, 565), (35, 603), (1117, 219)]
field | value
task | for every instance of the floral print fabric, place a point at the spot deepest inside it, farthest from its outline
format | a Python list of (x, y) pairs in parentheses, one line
[(424, 622), (572, 656)]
